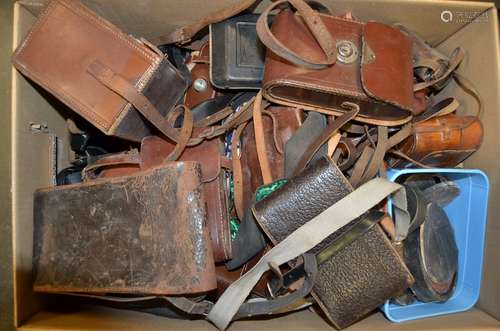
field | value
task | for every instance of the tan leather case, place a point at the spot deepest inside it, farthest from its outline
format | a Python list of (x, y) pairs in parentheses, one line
[(443, 141), (63, 44)]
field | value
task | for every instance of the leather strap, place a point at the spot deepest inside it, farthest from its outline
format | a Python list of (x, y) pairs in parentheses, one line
[(260, 142), (468, 87), (127, 91), (282, 304), (238, 171), (370, 162), (358, 230), (131, 157), (185, 134), (301, 240), (455, 59), (315, 24), (443, 107), (184, 34), (330, 131)]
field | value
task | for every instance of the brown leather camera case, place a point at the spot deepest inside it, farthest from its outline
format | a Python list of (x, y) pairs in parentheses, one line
[(70, 50), (443, 141), (377, 76), (142, 234)]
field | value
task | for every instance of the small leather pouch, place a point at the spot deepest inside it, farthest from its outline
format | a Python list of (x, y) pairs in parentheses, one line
[(358, 278), (443, 141), (201, 89), (320, 62), (111, 79), (237, 56), (143, 233), (213, 164)]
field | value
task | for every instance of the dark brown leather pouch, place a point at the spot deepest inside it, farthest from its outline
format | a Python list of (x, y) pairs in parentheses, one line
[(106, 76), (143, 233), (370, 64), (213, 164), (362, 275), (443, 141)]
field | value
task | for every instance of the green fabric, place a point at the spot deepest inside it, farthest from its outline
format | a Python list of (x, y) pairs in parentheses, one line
[(264, 191), (234, 226)]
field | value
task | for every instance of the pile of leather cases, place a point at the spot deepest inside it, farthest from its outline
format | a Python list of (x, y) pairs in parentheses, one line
[(236, 166)]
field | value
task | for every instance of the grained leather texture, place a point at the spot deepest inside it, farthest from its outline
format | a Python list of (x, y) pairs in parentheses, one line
[(87, 240), (288, 121), (59, 62), (360, 278), (208, 154), (356, 280), (318, 187), (443, 141), (328, 88)]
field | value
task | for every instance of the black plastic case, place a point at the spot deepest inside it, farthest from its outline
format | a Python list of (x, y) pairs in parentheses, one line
[(236, 53)]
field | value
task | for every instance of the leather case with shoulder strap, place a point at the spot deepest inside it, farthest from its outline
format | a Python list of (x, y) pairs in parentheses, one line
[(143, 233), (213, 164), (279, 125), (361, 276), (443, 141), (319, 62), (104, 75)]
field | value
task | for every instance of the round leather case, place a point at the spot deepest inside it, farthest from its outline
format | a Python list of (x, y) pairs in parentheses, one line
[(431, 254)]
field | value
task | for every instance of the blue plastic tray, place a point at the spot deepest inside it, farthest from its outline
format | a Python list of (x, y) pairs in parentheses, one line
[(467, 214)]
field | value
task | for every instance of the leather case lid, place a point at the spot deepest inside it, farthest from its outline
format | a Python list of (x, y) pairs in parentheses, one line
[(88, 240), (387, 69), (56, 53)]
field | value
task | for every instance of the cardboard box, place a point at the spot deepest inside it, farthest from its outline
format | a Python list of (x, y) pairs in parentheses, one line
[(36, 155)]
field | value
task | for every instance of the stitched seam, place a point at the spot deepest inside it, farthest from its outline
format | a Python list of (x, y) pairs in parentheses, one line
[(71, 101)]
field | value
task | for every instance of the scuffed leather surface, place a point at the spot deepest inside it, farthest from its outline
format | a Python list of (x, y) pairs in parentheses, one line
[(318, 187), (208, 154), (87, 240), (360, 278)]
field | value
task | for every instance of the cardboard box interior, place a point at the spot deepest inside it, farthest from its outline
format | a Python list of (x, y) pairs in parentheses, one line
[(35, 156)]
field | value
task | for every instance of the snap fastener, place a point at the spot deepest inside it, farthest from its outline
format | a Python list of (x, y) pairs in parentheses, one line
[(347, 52), (200, 85)]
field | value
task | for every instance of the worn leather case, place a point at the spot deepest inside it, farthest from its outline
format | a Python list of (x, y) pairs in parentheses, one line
[(62, 64), (142, 234), (210, 155), (236, 54), (280, 124), (360, 277), (377, 75), (443, 141)]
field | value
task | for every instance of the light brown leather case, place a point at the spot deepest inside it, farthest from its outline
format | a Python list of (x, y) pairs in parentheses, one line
[(61, 51), (378, 78), (143, 234), (443, 141)]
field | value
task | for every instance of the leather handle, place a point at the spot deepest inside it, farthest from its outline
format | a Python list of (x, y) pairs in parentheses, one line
[(118, 84), (260, 142), (132, 157), (184, 34), (316, 26)]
